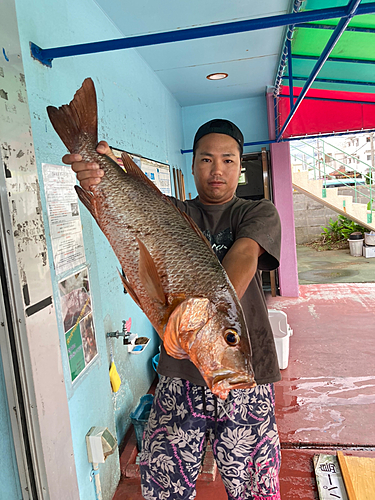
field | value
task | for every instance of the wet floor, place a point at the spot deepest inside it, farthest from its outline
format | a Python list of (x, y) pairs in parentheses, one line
[(333, 266), (326, 399)]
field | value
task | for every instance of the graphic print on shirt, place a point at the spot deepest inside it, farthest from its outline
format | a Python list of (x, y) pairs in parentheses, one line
[(220, 242)]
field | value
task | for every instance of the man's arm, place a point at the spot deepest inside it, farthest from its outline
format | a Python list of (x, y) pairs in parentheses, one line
[(241, 263)]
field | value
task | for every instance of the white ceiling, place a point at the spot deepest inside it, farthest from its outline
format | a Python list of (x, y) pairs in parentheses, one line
[(250, 59)]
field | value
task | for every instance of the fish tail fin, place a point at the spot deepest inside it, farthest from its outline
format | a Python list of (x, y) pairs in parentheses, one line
[(77, 121)]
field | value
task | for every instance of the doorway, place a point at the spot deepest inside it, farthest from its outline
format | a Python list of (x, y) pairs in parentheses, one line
[(255, 184)]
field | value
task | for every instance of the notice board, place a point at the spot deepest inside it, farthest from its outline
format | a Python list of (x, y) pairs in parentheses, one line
[(158, 173)]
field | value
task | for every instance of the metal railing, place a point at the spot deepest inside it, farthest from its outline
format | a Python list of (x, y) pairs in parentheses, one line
[(324, 170)]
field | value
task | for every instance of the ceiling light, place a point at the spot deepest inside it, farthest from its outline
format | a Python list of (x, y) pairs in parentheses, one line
[(217, 76)]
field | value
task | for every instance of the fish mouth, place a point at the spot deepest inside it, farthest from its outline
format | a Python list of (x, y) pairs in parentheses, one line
[(224, 382), (233, 381)]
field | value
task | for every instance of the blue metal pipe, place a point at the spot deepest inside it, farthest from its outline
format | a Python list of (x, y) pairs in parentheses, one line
[(286, 50), (290, 72), (330, 99), (334, 59), (298, 138), (256, 143), (46, 56), (275, 110), (339, 30), (330, 80), (332, 27), (319, 136)]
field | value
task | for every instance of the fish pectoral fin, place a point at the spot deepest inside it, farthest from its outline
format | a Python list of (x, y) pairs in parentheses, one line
[(129, 289), (88, 200), (184, 323), (149, 276)]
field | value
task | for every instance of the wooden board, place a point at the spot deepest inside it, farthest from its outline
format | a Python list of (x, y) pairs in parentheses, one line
[(359, 476)]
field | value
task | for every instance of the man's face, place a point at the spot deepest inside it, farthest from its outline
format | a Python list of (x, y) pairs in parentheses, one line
[(216, 168)]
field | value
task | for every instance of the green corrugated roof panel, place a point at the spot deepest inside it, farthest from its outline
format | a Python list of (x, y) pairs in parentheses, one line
[(327, 4), (352, 45), (332, 70)]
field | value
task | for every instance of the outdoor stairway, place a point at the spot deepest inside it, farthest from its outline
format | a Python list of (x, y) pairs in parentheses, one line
[(340, 203)]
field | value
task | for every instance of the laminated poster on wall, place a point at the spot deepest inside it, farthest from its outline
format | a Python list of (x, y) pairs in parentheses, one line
[(158, 172), (76, 308), (63, 217)]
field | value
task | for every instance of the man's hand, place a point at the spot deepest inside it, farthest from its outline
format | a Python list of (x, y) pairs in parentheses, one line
[(241, 262), (88, 174)]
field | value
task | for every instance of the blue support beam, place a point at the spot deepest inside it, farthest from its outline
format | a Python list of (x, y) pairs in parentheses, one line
[(298, 138), (321, 136), (290, 72), (332, 80), (276, 116), (286, 50), (351, 10), (332, 27), (330, 99), (334, 59), (45, 56)]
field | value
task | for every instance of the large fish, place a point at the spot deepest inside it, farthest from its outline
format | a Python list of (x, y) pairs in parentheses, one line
[(171, 271)]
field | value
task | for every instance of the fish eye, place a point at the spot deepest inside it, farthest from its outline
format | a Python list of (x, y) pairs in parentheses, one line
[(231, 337)]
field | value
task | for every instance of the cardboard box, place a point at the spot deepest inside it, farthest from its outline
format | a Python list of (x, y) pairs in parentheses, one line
[(368, 251)]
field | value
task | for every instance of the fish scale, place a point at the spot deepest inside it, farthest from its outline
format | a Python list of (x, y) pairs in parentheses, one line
[(170, 268), (166, 243)]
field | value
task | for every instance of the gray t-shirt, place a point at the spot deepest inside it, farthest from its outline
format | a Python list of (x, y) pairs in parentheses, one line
[(223, 225)]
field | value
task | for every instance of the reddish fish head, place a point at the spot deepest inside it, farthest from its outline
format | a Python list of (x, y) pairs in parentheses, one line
[(215, 339)]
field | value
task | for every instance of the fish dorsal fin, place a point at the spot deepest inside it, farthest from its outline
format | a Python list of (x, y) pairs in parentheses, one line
[(196, 229), (149, 276), (88, 200), (76, 123), (132, 169), (129, 289)]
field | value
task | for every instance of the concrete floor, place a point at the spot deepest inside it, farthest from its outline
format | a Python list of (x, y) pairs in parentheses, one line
[(326, 399), (333, 266)]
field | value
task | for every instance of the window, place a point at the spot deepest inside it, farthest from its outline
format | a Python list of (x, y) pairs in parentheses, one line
[(368, 139), (368, 157)]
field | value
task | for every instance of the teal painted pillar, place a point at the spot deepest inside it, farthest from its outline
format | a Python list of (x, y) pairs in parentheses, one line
[(283, 200)]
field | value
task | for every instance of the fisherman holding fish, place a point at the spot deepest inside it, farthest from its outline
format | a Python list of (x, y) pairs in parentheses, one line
[(202, 401)]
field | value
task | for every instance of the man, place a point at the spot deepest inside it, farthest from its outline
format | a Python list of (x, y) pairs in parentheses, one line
[(245, 236)]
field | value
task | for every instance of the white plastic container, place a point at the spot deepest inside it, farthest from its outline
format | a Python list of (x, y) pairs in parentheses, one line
[(281, 333), (368, 252), (370, 239), (355, 248)]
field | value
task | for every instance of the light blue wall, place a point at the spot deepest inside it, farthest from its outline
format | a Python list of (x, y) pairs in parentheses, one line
[(9, 480), (250, 115), (138, 114)]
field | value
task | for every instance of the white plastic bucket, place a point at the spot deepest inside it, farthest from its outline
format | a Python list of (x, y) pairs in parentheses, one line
[(281, 333), (355, 247)]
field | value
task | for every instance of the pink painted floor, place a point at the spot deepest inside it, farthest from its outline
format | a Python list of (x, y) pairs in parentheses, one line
[(326, 399)]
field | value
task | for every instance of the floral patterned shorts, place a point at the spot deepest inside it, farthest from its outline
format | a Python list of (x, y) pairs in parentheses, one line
[(242, 432)]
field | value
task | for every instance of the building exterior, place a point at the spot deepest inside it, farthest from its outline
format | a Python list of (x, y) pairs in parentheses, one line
[(352, 155)]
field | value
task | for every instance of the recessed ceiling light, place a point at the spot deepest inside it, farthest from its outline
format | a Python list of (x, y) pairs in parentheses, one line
[(217, 76)]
